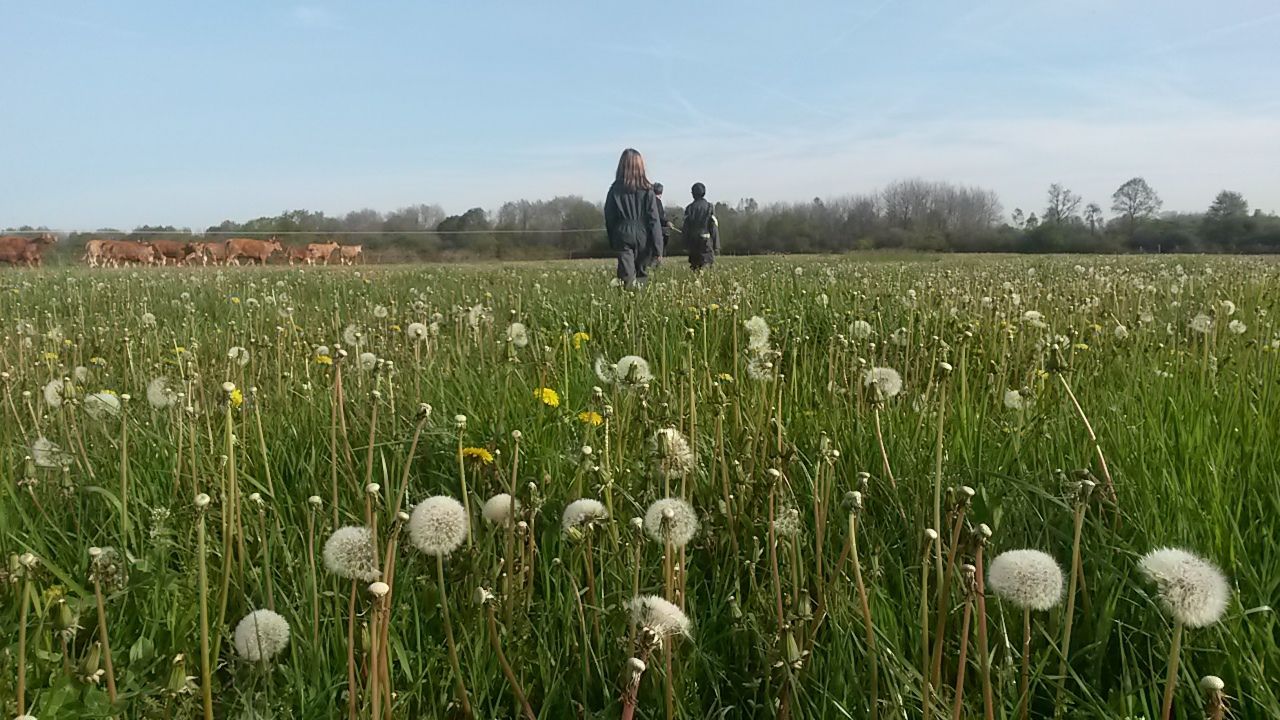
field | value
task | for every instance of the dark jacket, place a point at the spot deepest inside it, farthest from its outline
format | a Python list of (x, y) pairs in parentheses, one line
[(632, 219), (700, 227)]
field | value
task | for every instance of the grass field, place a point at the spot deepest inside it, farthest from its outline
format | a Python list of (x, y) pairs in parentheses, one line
[(116, 417)]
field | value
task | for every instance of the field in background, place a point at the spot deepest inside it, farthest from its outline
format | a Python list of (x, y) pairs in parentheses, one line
[(1172, 360)]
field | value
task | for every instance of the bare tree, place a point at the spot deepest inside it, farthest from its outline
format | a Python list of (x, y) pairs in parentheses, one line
[(1093, 217), (1134, 202), (1062, 206)]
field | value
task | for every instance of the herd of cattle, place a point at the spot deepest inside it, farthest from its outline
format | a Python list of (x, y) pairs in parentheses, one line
[(27, 250)]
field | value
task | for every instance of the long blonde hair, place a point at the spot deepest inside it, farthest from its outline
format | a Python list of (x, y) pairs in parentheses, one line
[(631, 175)]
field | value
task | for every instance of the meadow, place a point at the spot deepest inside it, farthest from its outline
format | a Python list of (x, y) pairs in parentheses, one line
[(782, 489)]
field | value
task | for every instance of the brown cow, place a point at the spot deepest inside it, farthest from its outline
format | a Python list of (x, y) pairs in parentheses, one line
[(125, 252), (350, 254), (175, 250), (18, 250), (255, 250), (320, 252), (296, 254), (95, 253), (213, 252)]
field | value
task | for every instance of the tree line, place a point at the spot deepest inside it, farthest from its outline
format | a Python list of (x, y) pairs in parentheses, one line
[(910, 214)]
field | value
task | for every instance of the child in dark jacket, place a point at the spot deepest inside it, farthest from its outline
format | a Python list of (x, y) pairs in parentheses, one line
[(701, 231)]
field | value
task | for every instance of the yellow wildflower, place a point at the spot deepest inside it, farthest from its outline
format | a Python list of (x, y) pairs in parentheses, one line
[(1080, 346), (579, 338), (324, 360), (237, 398), (48, 355), (395, 328), (549, 397), (477, 454), (179, 350), (235, 300), (725, 377), (95, 360), (591, 417), (713, 307)]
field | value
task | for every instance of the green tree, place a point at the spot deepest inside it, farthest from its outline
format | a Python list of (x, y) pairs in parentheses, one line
[(1134, 201)]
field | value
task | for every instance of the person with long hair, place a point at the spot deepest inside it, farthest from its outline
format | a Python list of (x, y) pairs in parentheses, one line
[(633, 220)]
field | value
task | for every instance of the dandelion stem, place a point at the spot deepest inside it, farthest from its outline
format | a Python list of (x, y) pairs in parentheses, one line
[(957, 707), (866, 616), (206, 689), (496, 644), (988, 700), (1071, 607), (106, 643), (1171, 679), (1024, 703), (937, 476), (448, 635), (351, 653), (926, 688), (24, 602)]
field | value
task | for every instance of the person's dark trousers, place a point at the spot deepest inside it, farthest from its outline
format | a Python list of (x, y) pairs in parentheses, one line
[(633, 266), (701, 254)]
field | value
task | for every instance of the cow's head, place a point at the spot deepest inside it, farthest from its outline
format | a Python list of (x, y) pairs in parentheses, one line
[(274, 244), (46, 238)]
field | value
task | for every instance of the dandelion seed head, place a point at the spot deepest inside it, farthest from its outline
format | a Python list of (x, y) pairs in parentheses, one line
[(633, 371), (757, 333), (498, 509), (438, 525), (673, 458), (159, 395), (1013, 400), (581, 513), (886, 379), (518, 334), (102, 405), (662, 618), (47, 454), (671, 520), (261, 636), (202, 501), (367, 361), (1212, 684), (1026, 578), (1201, 323), (1237, 327), (349, 553), (53, 392), (1192, 589), (416, 331)]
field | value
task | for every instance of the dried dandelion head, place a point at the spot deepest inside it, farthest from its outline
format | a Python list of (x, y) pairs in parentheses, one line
[(438, 525), (1192, 589), (671, 520), (349, 553), (261, 636), (1026, 578)]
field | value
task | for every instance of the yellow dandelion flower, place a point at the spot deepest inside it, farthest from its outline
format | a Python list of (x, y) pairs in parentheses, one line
[(113, 393), (237, 398), (324, 360), (235, 300), (1080, 346), (49, 355), (549, 397), (591, 417), (95, 360), (579, 338), (395, 328), (725, 377), (713, 307), (476, 454), (179, 350), (67, 342)]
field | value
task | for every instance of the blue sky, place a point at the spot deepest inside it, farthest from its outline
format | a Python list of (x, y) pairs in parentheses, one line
[(124, 113)]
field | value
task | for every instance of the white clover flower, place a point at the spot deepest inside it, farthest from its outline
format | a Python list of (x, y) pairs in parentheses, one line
[(662, 618), (159, 395), (238, 355), (498, 509), (886, 379), (757, 333), (1201, 323), (349, 553), (54, 391), (102, 405), (438, 525), (1014, 400), (261, 635), (671, 520), (1192, 589), (518, 334), (416, 331), (1236, 327), (860, 329), (583, 512), (1026, 578), (673, 458)]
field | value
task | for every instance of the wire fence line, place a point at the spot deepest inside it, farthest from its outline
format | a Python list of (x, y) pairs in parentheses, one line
[(320, 233)]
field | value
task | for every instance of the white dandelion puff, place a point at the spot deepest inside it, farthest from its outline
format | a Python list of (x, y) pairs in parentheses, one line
[(1201, 323), (1013, 400), (582, 513), (438, 525), (1034, 318), (349, 553), (499, 509), (1237, 327), (1026, 578), (760, 368), (1121, 332), (47, 454), (861, 329), (352, 335), (159, 395), (102, 405), (238, 355), (664, 619), (416, 331), (886, 379), (672, 455), (380, 312), (757, 333), (671, 520), (1228, 307), (632, 370), (367, 361), (261, 635), (606, 371), (518, 334), (1192, 589), (54, 390)]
